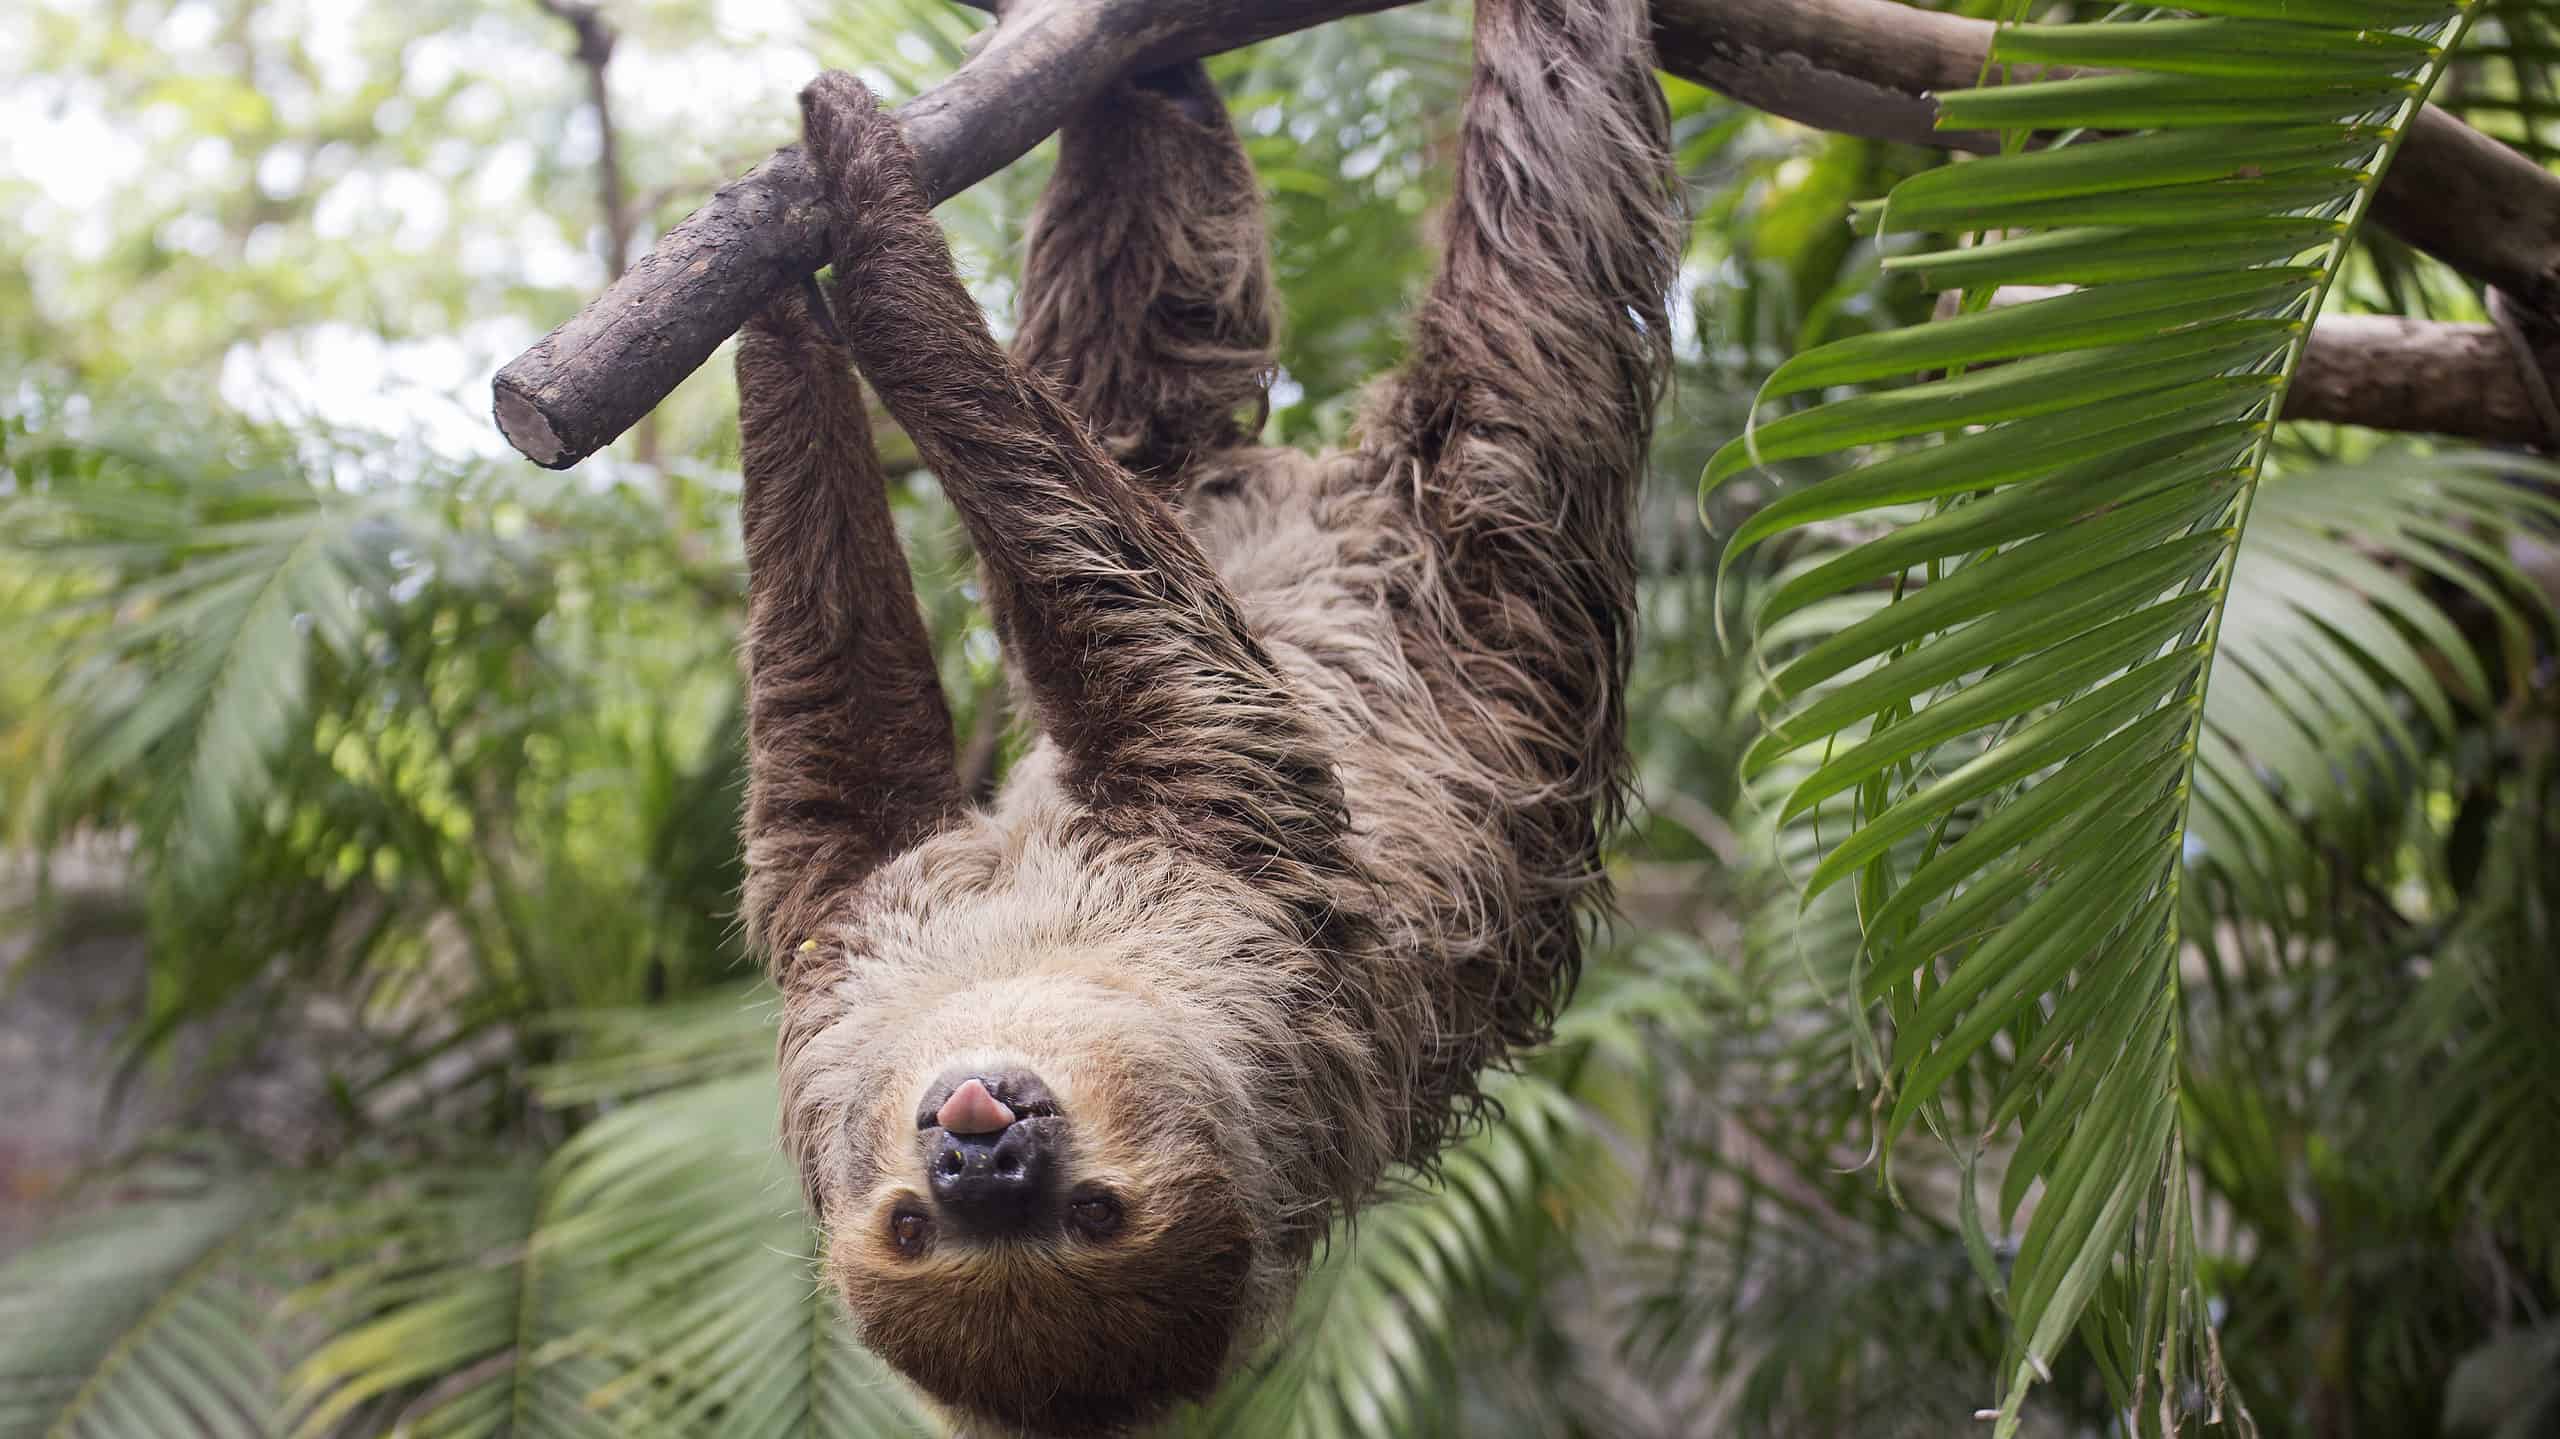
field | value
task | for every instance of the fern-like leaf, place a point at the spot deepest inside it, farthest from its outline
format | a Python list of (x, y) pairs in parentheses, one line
[(144, 1321), (2014, 735)]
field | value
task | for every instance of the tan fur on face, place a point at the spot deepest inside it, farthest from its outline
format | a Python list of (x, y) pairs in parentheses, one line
[(1064, 1336), (1166, 1004), (1124, 997), (1327, 745)]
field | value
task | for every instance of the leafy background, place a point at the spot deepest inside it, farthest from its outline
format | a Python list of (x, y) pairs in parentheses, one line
[(379, 1050)]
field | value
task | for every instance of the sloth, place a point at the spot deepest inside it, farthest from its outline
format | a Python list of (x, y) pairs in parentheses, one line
[(1078, 1079)]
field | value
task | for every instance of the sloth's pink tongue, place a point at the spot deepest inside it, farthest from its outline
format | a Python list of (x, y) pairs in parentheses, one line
[(971, 1110)]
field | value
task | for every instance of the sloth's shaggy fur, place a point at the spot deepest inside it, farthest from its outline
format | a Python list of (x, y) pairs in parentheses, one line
[(1325, 744)]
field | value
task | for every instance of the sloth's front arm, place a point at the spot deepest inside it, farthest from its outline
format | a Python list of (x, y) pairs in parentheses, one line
[(1170, 715)]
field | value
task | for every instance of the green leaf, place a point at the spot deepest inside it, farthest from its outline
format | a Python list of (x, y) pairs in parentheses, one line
[(144, 1320), (2238, 48), (2066, 660), (2079, 494), (2197, 101), (2122, 254), (2107, 314), (2342, 671), (2039, 386), (2105, 553), (2129, 165), (1999, 718), (2351, 16)]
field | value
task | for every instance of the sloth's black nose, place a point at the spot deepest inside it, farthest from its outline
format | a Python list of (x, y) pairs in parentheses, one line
[(991, 1183)]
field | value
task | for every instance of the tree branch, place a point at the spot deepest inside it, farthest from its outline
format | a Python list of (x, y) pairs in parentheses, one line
[(1867, 67), (1861, 67), (1858, 67), (2386, 372), (595, 39), (2390, 373), (588, 380)]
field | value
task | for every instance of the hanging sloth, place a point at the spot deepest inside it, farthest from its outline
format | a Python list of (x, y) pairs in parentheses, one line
[(1078, 1079)]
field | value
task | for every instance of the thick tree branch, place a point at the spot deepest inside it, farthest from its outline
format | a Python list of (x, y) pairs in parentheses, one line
[(588, 380), (595, 39), (1867, 67), (1860, 67), (2390, 373), (2479, 205)]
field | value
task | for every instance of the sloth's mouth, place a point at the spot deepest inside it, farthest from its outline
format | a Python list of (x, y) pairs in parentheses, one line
[(1018, 1091)]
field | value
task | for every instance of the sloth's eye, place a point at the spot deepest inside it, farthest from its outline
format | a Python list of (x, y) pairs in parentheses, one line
[(909, 1229), (1096, 1216)]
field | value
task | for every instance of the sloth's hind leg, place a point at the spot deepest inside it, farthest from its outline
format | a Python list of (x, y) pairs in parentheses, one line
[(1146, 292)]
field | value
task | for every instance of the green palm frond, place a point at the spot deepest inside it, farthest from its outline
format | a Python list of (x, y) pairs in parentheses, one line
[(235, 580), (1443, 1279), (145, 1320), (2362, 1102), (1825, 1307), (433, 1301), (619, 1055), (2475, 1055), (697, 1283), (1372, 1349), (1818, 1304), (329, 719), (654, 1276), (2013, 735), (2344, 659), (669, 1279)]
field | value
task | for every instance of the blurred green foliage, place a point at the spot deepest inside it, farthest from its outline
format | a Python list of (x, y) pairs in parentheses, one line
[(429, 762)]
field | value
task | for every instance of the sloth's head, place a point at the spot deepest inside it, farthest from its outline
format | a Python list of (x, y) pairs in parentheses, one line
[(1037, 1211)]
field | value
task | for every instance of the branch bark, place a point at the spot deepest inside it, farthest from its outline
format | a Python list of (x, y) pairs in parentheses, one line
[(2391, 373), (595, 39), (1861, 67), (1858, 67), (591, 378), (1867, 67)]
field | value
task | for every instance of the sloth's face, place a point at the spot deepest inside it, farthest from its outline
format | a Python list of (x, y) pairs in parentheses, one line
[(1049, 1235)]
